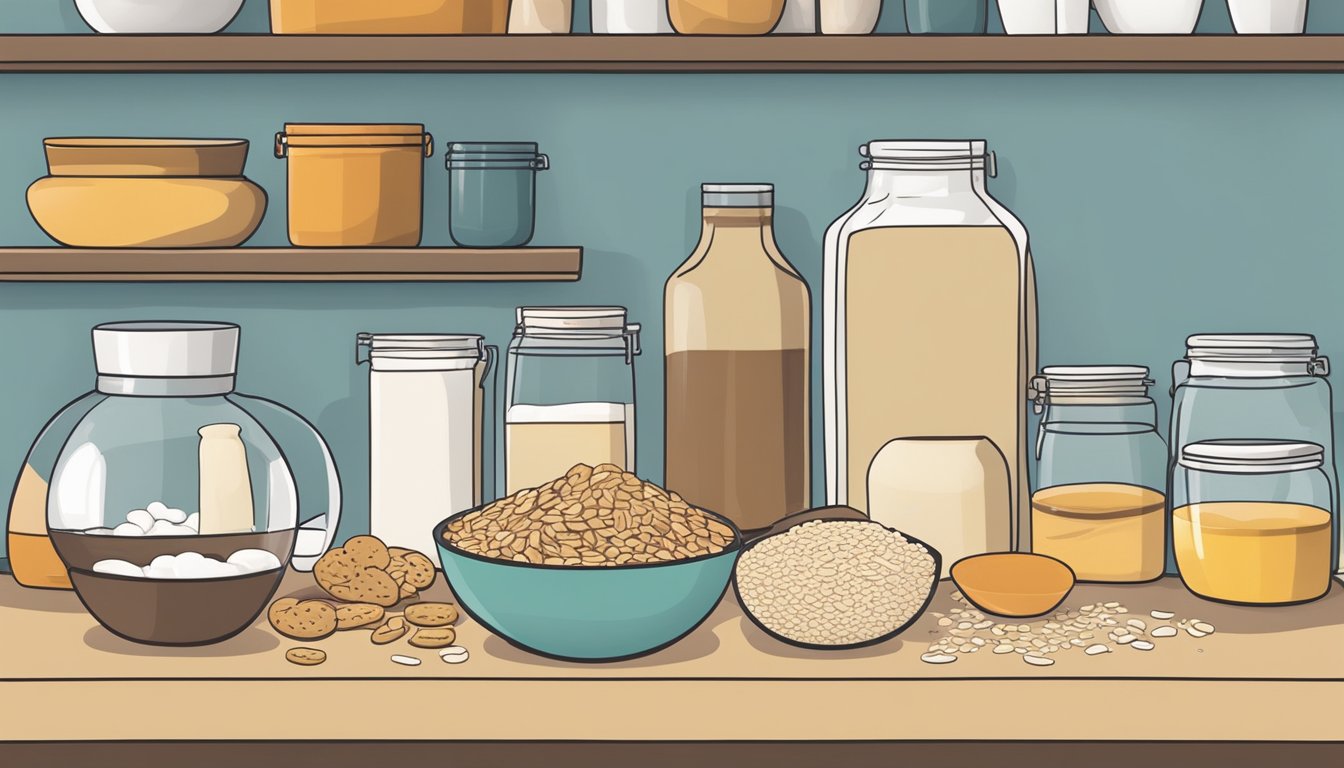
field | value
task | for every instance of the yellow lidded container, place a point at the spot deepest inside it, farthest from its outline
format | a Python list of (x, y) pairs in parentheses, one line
[(355, 184)]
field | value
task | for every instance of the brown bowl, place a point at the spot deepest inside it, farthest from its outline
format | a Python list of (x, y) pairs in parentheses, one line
[(1015, 584), (107, 156), (175, 611)]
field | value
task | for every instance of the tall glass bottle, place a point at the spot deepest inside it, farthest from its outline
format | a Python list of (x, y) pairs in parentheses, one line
[(738, 348)]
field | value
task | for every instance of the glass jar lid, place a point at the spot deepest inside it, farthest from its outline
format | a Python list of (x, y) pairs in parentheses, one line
[(737, 195), (1096, 383), (1252, 347), (581, 319), (928, 155), (415, 351), (592, 328), (1252, 457)]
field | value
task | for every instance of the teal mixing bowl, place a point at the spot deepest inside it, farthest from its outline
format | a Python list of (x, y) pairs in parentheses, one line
[(593, 613)]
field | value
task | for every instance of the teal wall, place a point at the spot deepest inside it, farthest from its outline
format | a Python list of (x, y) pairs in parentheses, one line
[(1158, 205)]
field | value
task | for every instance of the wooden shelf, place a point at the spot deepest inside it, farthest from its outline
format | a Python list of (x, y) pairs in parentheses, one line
[(620, 53), (291, 265)]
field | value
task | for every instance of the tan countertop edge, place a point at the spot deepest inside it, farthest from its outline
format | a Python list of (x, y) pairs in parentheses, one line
[(1265, 675), (614, 710)]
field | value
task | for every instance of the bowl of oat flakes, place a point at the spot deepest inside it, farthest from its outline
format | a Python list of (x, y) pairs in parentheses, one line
[(597, 565)]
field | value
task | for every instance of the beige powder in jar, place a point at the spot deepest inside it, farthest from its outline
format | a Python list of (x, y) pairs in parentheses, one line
[(835, 583)]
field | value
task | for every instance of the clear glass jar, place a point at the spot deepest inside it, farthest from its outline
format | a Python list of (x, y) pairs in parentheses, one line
[(930, 265), (570, 395), (169, 487), (738, 327), (1099, 503), (1252, 521), (1254, 386)]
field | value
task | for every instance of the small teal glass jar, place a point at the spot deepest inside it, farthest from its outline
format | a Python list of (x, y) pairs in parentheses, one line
[(946, 17), (493, 192)]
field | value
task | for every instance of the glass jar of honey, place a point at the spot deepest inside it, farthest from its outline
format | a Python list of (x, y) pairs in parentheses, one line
[(1101, 470), (1251, 521)]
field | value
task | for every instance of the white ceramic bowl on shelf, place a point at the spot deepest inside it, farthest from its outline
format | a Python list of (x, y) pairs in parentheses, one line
[(152, 17), (1149, 17)]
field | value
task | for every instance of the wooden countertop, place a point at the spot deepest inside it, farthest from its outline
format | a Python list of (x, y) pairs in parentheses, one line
[(1267, 674)]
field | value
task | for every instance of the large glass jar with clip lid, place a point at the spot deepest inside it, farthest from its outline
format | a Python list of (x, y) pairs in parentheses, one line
[(928, 316), (1100, 499), (169, 499), (1254, 386), (570, 395)]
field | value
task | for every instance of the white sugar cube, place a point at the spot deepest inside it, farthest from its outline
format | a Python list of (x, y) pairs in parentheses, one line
[(165, 528), (163, 512), (254, 560), (128, 529), (101, 531), (118, 568), (191, 565), (193, 521), (162, 567), (141, 518)]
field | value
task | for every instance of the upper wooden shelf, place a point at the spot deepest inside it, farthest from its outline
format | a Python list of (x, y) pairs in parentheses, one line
[(619, 53), (290, 265)]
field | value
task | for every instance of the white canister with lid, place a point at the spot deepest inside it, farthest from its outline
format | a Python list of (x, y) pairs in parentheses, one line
[(631, 17), (426, 431), (800, 18)]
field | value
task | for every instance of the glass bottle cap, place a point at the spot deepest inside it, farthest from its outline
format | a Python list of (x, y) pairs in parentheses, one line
[(737, 195)]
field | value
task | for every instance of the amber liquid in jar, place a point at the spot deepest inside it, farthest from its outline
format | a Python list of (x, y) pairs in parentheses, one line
[(1253, 552), (1109, 532)]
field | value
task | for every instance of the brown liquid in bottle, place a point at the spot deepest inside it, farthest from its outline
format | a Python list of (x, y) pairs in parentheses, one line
[(737, 432)]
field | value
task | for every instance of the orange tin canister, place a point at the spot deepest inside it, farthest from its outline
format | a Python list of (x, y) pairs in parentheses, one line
[(355, 185)]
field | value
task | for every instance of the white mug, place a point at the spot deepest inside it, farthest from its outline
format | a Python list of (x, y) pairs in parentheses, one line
[(1045, 17), (1268, 17)]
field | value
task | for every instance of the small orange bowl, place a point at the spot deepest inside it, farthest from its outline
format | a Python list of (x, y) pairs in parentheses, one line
[(1015, 584)]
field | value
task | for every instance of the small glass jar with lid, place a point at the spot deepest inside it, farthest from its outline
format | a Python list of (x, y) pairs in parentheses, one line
[(1101, 469), (1251, 521), (570, 395)]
